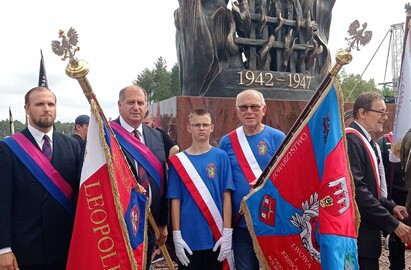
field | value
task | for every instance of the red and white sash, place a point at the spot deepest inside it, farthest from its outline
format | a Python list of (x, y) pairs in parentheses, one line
[(202, 197), (371, 153), (244, 154)]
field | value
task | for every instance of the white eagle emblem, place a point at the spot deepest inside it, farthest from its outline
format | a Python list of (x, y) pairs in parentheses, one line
[(306, 222)]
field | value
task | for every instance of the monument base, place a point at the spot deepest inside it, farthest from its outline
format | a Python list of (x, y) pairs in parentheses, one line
[(172, 116)]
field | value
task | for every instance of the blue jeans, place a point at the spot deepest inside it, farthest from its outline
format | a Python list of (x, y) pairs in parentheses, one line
[(244, 255)]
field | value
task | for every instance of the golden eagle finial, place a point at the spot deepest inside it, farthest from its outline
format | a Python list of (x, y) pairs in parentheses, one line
[(358, 36), (66, 47)]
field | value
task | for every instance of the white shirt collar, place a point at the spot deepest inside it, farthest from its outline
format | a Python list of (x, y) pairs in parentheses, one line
[(38, 135), (130, 129), (367, 134)]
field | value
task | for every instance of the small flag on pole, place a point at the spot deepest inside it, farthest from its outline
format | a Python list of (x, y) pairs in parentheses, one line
[(11, 122), (42, 72)]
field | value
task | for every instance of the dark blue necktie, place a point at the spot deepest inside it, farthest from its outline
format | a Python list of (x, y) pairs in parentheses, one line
[(46, 149)]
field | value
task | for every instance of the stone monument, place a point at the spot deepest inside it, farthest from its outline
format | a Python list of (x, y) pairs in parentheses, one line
[(278, 47)]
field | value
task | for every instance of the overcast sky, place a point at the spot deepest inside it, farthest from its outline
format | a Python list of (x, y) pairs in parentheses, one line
[(120, 38)]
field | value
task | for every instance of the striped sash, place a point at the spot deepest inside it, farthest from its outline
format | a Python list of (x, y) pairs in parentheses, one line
[(141, 153), (42, 170), (244, 154), (371, 154), (202, 197)]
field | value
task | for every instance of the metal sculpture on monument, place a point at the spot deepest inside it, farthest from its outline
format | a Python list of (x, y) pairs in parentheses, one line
[(278, 47)]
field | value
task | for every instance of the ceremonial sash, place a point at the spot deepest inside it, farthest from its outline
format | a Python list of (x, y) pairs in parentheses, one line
[(371, 154), (244, 154), (202, 197), (42, 170), (141, 153), (389, 137)]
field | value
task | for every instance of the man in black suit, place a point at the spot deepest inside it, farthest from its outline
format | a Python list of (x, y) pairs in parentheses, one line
[(377, 213), (35, 221), (405, 154), (397, 192), (132, 106)]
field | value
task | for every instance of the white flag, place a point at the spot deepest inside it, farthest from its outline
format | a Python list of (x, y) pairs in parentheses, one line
[(402, 121)]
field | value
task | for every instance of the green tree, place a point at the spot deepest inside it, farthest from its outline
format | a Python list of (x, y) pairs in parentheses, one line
[(352, 85), (146, 80), (65, 128), (160, 83), (5, 127), (175, 81)]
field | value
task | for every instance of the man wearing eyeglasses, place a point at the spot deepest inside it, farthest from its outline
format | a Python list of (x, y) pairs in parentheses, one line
[(250, 148), (377, 213)]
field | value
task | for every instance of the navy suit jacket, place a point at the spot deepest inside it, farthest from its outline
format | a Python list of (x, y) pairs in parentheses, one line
[(159, 204), (36, 227), (375, 214)]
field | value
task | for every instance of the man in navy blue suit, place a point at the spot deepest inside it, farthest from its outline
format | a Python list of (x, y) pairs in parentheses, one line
[(132, 106), (38, 192)]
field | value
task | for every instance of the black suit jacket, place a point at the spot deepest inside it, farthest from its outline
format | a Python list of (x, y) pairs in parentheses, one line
[(394, 173), (159, 204), (375, 214), (405, 152), (81, 142), (35, 226)]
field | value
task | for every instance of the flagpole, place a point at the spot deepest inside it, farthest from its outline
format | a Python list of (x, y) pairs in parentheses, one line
[(11, 122), (163, 248), (343, 57), (78, 69), (42, 72), (42, 80)]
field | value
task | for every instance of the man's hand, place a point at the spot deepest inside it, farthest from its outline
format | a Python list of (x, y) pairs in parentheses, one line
[(140, 189), (225, 243), (180, 247), (8, 261), (162, 238), (403, 232), (400, 212), (252, 183)]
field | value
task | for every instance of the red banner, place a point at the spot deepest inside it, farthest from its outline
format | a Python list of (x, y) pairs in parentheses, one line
[(110, 223)]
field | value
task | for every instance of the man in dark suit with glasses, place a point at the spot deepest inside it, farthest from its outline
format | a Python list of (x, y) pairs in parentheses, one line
[(377, 213)]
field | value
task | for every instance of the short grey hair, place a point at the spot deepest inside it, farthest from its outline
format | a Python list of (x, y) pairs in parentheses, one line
[(122, 91), (250, 90)]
